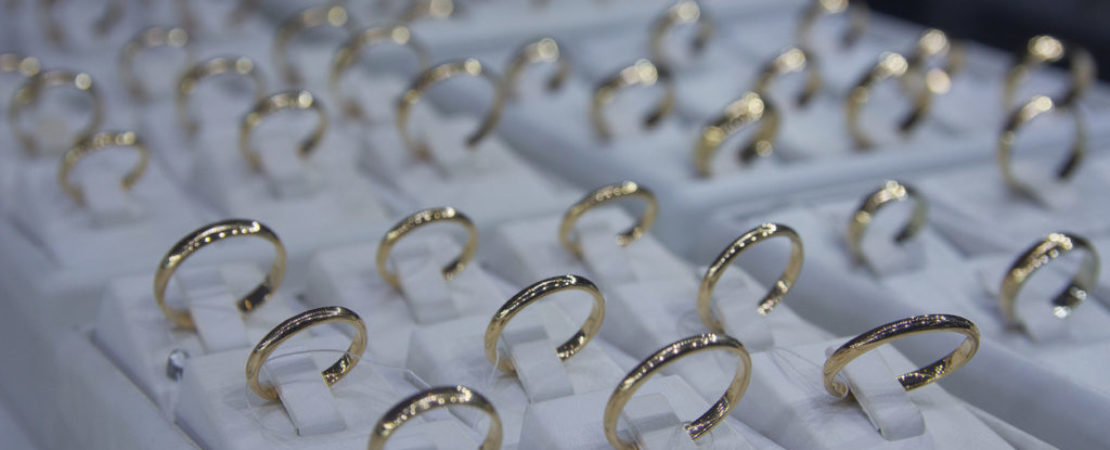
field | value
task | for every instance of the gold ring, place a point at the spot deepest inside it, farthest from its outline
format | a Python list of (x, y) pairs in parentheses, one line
[(1041, 253), (642, 72), (892, 191), (152, 37), (533, 293), (188, 81), (30, 92), (664, 357), (96, 142), (778, 289), (300, 322), (427, 9), (414, 222), (545, 50), (208, 234), (871, 339), (439, 397), (331, 16), (601, 196), (934, 43), (428, 78), (1046, 49), (748, 109), (859, 16), (28, 66), (890, 65), (1018, 118), (55, 32), (681, 13), (296, 100), (352, 50), (792, 60)]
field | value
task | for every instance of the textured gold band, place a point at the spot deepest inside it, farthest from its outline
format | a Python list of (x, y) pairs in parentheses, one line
[(604, 195)]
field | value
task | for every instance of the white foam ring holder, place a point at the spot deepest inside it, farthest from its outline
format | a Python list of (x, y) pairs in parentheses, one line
[(132, 330), (347, 277)]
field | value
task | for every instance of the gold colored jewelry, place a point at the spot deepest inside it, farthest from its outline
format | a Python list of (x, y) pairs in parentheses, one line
[(792, 60), (1041, 253), (414, 222), (189, 80), (28, 66), (859, 16), (545, 50), (935, 43), (642, 72), (55, 32), (30, 93), (430, 77), (891, 192), (748, 109), (601, 196), (289, 100), (427, 400), (681, 13), (893, 331), (534, 293), (427, 9), (663, 358), (778, 289), (152, 37), (352, 50), (890, 65), (208, 234), (296, 324), (96, 142), (331, 16), (1046, 49), (1018, 118)]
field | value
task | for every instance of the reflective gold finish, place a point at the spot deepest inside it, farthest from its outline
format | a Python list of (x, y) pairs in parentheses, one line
[(1046, 49), (296, 324), (427, 9), (466, 67), (100, 141), (321, 16), (681, 13), (891, 192), (859, 16), (414, 222), (893, 331), (644, 73), (290, 100), (601, 196), (545, 50), (439, 397), (890, 65), (534, 293), (663, 358), (208, 234), (1051, 247), (30, 92), (351, 52), (790, 61), (28, 66), (934, 44), (1016, 121), (778, 289), (750, 108), (149, 38), (189, 80)]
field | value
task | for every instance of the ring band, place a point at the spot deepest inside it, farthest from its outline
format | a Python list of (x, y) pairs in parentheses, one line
[(778, 289), (859, 16), (430, 77), (1046, 49), (208, 234), (534, 293), (748, 109), (642, 72), (414, 222), (792, 60), (890, 65), (1018, 118), (681, 13), (289, 100), (872, 339), (96, 142), (439, 397), (664, 357), (601, 196), (891, 192), (545, 50), (935, 43), (30, 93), (28, 66), (331, 16), (191, 78), (152, 37), (300, 322), (1041, 253), (351, 52)]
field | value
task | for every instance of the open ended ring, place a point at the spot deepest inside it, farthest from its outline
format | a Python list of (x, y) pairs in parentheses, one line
[(430, 77), (890, 65), (427, 400), (1044, 49), (1051, 247), (189, 80), (748, 109), (683, 12), (290, 100), (414, 222), (891, 192), (96, 142), (30, 93), (644, 73), (1036, 107), (352, 51), (601, 196)]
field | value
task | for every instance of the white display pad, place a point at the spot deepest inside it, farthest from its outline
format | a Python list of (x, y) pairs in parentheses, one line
[(348, 277)]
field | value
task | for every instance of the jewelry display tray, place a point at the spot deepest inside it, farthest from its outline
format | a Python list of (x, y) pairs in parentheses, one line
[(65, 391)]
